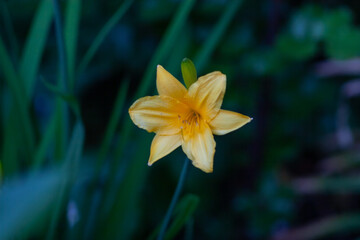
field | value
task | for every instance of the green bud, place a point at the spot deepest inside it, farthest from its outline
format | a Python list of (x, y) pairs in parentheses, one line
[(188, 72)]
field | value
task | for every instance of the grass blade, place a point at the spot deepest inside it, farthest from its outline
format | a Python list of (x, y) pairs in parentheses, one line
[(205, 53), (63, 70), (104, 148), (72, 18), (72, 161), (9, 29), (167, 42), (34, 46), (10, 151), (45, 143), (114, 120), (183, 212), (102, 35), (120, 221), (19, 95)]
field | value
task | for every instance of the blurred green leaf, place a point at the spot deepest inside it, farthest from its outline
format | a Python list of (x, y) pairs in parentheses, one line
[(343, 44), (183, 212), (46, 139), (113, 123), (165, 46), (10, 32), (19, 95), (204, 54), (121, 212), (34, 46), (341, 37), (336, 19), (102, 35), (68, 98), (71, 167), (10, 147), (25, 203), (308, 23), (72, 18), (263, 62), (296, 49)]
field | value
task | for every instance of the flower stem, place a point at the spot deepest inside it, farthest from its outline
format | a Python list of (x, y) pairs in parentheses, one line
[(174, 200)]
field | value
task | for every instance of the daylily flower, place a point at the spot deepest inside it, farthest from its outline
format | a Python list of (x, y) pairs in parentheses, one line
[(186, 117)]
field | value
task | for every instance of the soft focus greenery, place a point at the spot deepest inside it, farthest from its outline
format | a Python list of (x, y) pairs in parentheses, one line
[(73, 166)]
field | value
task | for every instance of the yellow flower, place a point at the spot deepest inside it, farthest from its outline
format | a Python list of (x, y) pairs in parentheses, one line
[(186, 117)]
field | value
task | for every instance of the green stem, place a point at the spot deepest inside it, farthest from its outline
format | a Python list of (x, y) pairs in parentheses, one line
[(174, 200)]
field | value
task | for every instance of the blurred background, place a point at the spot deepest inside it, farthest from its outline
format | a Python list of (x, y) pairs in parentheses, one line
[(73, 165)]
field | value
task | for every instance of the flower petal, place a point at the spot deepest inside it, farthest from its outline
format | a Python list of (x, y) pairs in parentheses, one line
[(227, 121), (162, 146), (200, 147), (158, 114), (207, 93), (168, 85)]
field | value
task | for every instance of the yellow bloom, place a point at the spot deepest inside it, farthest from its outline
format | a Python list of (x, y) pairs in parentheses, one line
[(186, 117)]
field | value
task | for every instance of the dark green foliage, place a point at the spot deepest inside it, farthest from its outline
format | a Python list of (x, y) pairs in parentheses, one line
[(73, 166)]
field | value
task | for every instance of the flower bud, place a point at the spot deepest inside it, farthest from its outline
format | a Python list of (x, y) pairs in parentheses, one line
[(188, 72)]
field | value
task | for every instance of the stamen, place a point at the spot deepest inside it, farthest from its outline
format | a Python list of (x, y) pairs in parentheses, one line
[(189, 121)]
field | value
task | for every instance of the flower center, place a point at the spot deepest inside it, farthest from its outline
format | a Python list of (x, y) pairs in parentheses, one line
[(189, 123)]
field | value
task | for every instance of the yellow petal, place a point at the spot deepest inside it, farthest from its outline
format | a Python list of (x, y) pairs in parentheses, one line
[(168, 85), (200, 147), (207, 93), (158, 114), (227, 121), (162, 146)]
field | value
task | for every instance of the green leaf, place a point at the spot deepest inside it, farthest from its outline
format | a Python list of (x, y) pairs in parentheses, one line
[(72, 18), (343, 44), (9, 31), (18, 92), (45, 142), (183, 212), (308, 23), (34, 46), (165, 46), (114, 121), (185, 209), (69, 98), (341, 37), (71, 167), (337, 19), (205, 53), (103, 34), (188, 71), (25, 203), (263, 62), (296, 49)]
